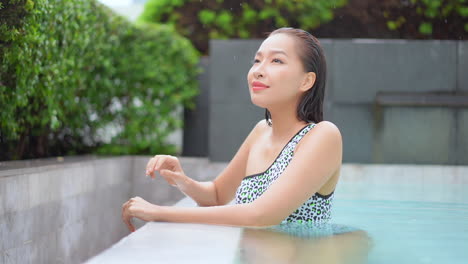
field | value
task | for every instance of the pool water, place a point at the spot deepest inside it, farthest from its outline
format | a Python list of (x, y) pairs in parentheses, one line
[(373, 223), (410, 232), (429, 226)]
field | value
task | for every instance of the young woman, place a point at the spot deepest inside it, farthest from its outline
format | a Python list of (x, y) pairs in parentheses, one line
[(287, 168)]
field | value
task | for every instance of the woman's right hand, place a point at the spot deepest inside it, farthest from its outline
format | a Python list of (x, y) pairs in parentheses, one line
[(168, 167)]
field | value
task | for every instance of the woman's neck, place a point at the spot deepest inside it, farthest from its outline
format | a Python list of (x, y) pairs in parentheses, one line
[(285, 123)]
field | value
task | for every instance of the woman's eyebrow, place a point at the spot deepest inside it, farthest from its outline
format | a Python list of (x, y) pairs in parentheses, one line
[(259, 53)]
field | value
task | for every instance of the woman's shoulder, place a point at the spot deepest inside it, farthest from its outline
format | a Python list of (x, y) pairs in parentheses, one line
[(256, 132), (324, 132), (328, 128), (261, 126), (323, 129)]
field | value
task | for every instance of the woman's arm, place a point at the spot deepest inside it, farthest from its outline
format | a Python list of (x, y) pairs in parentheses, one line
[(232, 215), (314, 163), (209, 193), (312, 166), (230, 179), (221, 190), (203, 193)]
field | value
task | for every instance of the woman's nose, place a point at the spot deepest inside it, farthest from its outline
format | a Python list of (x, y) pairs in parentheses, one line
[(258, 72)]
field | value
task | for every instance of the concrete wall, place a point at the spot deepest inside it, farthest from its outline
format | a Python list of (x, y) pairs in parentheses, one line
[(196, 120), (61, 213), (357, 71), (360, 69), (67, 211)]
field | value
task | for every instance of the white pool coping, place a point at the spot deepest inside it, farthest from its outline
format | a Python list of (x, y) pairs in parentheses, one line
[(161, 242)]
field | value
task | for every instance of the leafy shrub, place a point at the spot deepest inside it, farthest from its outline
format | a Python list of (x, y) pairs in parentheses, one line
[(409, 19), (428, 13), (73, 74), (201, 20)]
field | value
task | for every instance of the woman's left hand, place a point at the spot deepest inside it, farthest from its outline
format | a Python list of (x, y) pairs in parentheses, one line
[(139, 208)]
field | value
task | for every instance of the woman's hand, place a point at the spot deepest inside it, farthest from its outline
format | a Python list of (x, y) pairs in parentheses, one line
[(169, 168), (139, 208)]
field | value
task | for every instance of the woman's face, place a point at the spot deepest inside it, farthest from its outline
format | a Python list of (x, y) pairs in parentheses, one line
[(277, 66)]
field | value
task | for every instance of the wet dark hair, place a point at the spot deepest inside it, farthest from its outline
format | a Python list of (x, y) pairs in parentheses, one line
[(310, 107)]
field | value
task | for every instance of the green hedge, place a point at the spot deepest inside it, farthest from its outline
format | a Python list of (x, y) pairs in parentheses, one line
[(202, 20), (74, 75), (414, 19), (428, 13)]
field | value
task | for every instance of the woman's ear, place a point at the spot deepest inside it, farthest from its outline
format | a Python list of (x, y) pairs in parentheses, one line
[(309, 81)]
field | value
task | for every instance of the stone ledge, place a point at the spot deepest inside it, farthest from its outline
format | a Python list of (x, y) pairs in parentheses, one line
[(18, 167)]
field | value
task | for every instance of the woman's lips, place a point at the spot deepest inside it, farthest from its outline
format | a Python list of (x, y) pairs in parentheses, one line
[(256, 86)]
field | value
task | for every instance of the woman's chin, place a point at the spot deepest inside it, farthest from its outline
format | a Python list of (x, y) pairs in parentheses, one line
[(258, 102)]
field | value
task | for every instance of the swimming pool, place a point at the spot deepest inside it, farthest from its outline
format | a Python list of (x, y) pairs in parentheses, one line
[(403, 214), (408, 223), (381, 214)]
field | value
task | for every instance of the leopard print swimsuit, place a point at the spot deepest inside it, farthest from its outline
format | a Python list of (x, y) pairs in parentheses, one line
[(316, 210)]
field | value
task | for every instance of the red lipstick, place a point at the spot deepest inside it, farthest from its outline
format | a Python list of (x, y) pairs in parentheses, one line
[(258, 86)]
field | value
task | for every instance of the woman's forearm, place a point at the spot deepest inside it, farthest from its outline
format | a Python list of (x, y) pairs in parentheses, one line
[(203, 193), (233, 215)]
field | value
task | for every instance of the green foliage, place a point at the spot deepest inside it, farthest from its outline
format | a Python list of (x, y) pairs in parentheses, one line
[(395, 24), (202, 20), (72, 72), (431, 11), (156, 11), (425, 28), (207, 17)]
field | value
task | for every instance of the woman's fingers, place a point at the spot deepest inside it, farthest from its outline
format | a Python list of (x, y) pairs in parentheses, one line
[(170, 176), (164, 163), (157, 160), (137, 207), (126, 217), (150, 165), (128, 222), (159, 163)]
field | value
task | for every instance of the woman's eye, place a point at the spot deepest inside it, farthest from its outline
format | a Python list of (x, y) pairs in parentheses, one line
[(277, 60), (255, 61)]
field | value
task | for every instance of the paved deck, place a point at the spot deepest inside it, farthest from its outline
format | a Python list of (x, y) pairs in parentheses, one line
[(158, 242)]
